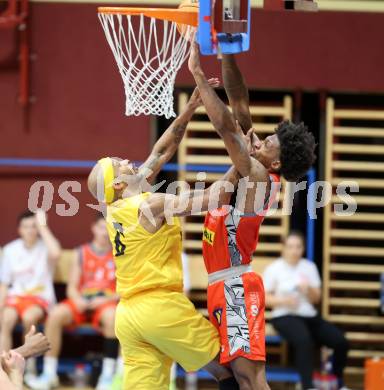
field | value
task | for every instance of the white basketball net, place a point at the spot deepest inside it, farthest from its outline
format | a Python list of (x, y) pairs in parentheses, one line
[(148, 60)]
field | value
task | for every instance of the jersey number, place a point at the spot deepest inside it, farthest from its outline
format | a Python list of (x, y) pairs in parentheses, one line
[(119, 246)]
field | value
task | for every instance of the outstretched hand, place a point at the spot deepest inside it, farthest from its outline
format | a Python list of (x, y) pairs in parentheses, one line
[(35, 344), (252, 139), (194, 58), (195, 98)]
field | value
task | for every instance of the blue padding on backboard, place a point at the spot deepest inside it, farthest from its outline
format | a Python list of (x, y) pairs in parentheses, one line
[(204, 36), (237, 44), (229, 43)]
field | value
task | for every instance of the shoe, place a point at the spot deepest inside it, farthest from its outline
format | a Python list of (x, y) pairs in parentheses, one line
[(104, 383), (42, 382)]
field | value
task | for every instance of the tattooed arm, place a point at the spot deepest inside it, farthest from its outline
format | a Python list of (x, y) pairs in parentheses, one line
[(160, 208), (168, 143)]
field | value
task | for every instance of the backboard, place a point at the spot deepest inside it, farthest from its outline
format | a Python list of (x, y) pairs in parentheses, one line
[(224, 26)]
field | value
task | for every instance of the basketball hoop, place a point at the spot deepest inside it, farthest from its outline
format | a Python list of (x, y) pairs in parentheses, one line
[(149, 50)]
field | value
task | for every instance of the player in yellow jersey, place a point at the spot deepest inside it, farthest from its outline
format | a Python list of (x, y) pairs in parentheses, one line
[(155, 322)]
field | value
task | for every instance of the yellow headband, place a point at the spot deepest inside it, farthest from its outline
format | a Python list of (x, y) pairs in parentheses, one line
[(109, 177)]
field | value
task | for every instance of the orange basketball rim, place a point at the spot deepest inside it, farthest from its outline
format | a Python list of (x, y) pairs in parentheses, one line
[(176, 15), (149, 45)]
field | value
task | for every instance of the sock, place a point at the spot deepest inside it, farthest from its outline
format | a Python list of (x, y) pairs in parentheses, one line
[(108, 368), (172, 381), (111, 348), (340, 382), (120, 366), (30, 366), (50, 366), (191, 381), (229, 384)]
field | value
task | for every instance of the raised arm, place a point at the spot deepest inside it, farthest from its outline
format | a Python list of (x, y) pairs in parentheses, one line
[(160, 208), (167, 144), (236, 90), (51, 242), (221, 118), (216, 196)]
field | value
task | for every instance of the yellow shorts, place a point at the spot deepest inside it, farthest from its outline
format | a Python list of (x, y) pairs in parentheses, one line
[(156, 328)]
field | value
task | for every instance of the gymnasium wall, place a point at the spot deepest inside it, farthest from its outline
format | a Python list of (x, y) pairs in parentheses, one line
[(78, 97)]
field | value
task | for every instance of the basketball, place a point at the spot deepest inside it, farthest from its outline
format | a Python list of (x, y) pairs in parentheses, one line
[(190, 6)]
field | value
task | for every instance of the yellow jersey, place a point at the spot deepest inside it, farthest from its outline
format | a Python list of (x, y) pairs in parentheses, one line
[(144, 260)]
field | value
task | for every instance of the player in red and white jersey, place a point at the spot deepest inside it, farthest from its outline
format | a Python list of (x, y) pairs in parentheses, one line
[(230, 236), (236, 298)]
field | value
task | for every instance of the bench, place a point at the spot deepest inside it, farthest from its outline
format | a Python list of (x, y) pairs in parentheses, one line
[(198, 281)]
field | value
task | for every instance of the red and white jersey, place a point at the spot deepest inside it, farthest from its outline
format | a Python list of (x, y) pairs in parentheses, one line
[(230, 238), (97, 272)]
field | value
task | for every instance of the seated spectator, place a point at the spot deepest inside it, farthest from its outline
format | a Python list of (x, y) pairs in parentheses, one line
[(292, 287), (26, 292), (91, 298)]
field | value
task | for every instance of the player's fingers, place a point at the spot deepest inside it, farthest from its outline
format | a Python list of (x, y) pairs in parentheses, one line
[(214, 82)]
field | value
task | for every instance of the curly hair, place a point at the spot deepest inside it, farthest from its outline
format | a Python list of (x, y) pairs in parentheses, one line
[(297, 149)]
